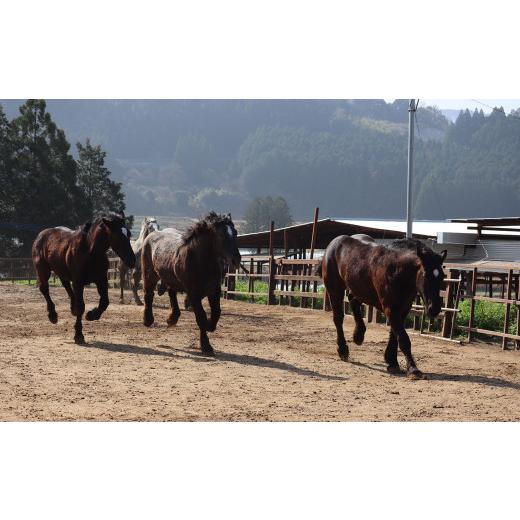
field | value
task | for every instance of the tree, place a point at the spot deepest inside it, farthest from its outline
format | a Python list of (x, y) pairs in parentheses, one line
[(9, 189), (263, 210), (45, 175), (102, 194)]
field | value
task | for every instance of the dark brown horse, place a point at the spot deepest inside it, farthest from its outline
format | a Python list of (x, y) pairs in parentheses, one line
[(388, 278), (190, 263), (80, 257)]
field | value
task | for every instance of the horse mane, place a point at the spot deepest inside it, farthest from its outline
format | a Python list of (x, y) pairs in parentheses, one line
[(88, 227), (427, 255), (206, 225)]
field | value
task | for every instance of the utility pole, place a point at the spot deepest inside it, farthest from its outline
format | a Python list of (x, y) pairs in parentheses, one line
[(411, 113)]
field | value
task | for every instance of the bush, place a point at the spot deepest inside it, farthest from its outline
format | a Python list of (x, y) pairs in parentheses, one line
[(488, 315)]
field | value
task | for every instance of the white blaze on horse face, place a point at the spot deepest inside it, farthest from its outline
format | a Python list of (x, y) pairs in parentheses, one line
[(229, 231), (124, 231), (436, 273)]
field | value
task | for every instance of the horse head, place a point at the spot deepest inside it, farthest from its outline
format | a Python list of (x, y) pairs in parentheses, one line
[(150, 224), (118, 236), (226, 240), (430, 280)]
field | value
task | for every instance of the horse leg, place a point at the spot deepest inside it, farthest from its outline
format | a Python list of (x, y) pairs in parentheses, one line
[(70, 292), (397, 324), (96, 312), (360, 329), (202, 322), (175, 314), (122, 276), (44, 273), (80, 309), (391, 355), (338, 313), (136, 278), (214, 304), (150, 280)]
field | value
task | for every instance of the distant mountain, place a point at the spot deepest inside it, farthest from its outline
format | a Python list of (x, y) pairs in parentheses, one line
[(184, 157)]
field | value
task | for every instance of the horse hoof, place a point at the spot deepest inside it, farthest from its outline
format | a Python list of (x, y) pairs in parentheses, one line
[(359, 337), (171, 323), (394, 370), (210, 327), (208, 352), (415, 374), (91, 316), (148, 322), (79, 340), (139, 303), (343, 355), (53, 317)]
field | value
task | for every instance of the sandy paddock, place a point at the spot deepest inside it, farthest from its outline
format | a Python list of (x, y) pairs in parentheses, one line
[(272, 364)]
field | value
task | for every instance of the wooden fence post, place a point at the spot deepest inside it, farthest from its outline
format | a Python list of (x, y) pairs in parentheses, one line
[(508, 308), (472, 301), (307, 270), (448, 316), (272, 267)]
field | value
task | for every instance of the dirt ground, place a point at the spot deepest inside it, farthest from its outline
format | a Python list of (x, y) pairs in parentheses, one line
[(272, 364)]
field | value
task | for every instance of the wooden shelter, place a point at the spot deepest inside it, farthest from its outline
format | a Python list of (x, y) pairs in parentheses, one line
[(300, 235)]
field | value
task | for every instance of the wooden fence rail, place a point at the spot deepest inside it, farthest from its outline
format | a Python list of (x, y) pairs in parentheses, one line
[(289, 280)]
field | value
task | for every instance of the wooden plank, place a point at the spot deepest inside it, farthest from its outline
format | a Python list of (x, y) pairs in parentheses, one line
[(493, 299), (298, 261), (490, 332), (245, 275), (302, 294), (297, 277), (248, 293)]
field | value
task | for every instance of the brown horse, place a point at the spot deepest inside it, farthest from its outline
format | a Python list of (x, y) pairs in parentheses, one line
[(388, 278), (80, 257), (190, 263)]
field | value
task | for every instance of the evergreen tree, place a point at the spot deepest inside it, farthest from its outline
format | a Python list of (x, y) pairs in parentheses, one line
[(102, 194), (9, 188), (46, 172)]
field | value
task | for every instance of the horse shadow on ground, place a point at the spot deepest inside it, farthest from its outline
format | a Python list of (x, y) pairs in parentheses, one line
[(196, 355), (496, 382)]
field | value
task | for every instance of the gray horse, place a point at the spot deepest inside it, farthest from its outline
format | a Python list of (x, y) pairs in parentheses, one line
[(149, 225)]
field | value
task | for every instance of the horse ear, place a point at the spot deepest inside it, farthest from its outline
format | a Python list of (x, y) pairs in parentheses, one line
[(444, 253)]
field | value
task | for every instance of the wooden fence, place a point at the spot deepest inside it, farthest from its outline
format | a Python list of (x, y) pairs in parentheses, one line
[(22, 269), (288, 279)]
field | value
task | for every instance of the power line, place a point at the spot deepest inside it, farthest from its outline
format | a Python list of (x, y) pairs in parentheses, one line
[(495, 109)]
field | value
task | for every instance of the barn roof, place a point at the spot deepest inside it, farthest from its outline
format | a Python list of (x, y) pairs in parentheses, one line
[(299, 236)]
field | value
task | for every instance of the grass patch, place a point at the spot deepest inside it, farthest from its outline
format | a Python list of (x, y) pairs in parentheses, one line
[(488, 315)]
